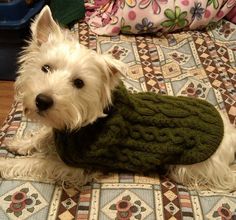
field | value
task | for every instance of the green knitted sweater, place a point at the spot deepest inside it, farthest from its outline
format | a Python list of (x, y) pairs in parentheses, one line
[(142, 132)]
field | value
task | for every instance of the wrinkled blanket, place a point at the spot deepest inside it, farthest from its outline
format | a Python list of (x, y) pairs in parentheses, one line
[(110, 17), (231, 16)]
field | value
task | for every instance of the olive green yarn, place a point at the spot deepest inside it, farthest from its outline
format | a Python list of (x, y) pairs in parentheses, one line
[(142, 132), (67, 12)]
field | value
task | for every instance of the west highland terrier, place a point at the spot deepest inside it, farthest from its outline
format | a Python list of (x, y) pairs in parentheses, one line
[(65, 86)]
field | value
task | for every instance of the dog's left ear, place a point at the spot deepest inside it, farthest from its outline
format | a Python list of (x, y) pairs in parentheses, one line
[(112, 70), (43, 26), (115, 69)]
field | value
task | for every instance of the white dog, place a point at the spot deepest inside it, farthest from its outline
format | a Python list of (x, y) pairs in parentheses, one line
[(63, 84)]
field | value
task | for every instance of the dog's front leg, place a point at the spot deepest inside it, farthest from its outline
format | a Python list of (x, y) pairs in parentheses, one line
[(45, 167), (40, 141)]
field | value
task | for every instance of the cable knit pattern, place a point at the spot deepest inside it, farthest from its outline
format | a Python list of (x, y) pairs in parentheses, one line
[(143, 131)]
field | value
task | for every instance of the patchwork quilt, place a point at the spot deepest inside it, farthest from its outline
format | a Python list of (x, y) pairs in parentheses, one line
[(196, 64)]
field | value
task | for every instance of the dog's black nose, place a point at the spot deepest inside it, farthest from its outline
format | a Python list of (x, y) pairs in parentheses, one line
[(43, 102)]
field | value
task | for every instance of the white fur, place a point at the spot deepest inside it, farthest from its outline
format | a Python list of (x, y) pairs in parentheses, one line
[(69, 60), (75, 107)]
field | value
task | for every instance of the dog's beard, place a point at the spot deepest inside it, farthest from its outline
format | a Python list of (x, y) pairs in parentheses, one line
[(55, 118), (70, 111), (61, 116)]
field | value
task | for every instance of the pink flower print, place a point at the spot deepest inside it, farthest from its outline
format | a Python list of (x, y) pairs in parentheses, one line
[(132, 15), (225, 212), (17, 207), (185, 2), (207, 13), (18, 197), (115, 30), (130, 3), (21, 202), (155, 5), (231, 3), (99, 3), (220, 14)]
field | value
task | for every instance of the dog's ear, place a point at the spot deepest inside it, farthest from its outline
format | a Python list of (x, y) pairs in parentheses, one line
[(112, 70), (115, 69), (43, 26)]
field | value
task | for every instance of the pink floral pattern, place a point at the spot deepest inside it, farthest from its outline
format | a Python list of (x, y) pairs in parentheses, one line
[(197, 91), (225, 212), (125, 209), (148, 16), (154, 4), (20, 201), (231, 16)]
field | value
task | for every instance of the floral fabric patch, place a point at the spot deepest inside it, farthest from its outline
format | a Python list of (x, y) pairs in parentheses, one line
[(151, 16)]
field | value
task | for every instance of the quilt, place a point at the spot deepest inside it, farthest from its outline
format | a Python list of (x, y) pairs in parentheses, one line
[(193, 63)]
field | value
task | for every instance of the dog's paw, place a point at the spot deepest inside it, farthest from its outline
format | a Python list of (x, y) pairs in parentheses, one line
[(21, 147), (21, 150)]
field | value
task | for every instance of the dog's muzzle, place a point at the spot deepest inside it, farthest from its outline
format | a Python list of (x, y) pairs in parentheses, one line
[(43, 102)]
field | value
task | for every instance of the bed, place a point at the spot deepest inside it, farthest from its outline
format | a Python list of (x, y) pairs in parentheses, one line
[(193, 63)]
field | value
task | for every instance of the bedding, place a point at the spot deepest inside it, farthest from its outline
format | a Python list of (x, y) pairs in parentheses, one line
[(231, 16), (194, 63), (110, 17)]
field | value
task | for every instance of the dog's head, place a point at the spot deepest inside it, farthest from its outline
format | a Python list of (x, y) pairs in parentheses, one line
[(61, 83)]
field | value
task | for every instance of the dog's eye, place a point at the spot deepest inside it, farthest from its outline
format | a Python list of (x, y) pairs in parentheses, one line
[(45, 68), (78, 83)]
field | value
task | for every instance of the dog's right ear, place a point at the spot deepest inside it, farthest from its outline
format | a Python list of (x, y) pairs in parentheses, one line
[(43, 26)]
